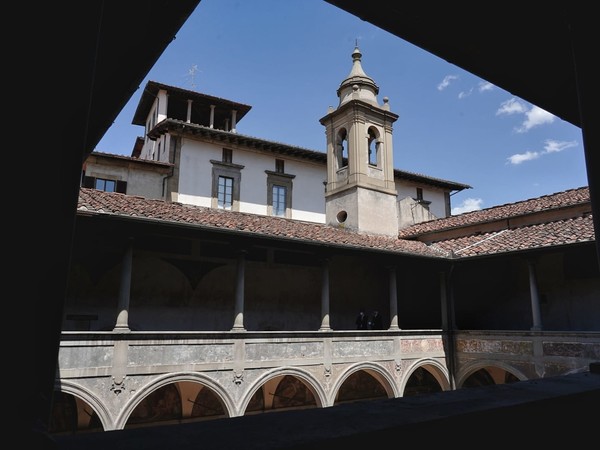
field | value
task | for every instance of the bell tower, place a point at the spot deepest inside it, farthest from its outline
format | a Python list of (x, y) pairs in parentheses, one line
[(360, 193)]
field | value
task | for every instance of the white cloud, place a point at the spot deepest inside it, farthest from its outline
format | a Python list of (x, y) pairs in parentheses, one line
[(518, 158), (535, 117), (446, 82), (552, 146), (469, 204), (511, 106), (485, 86), (463, 94)]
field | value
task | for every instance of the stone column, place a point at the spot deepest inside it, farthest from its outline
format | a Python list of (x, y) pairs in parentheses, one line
[(212, 116), (233, 120), (189, 111), (444, 300), (325, 296), (122, 324), (238, 321), (535, 299), (393, 293)]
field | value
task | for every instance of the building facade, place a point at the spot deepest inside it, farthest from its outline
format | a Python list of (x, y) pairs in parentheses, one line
[(211, 298), (353, 184)]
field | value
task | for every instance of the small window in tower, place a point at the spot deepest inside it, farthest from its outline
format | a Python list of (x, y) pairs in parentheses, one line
[(373, 145), (227, 155), (279, 166), (341, 151)]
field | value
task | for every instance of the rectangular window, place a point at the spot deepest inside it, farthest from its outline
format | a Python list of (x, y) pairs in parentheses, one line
[(106, 185), (279, 166), (227, 155), (225, 193), (279, 200), (103, 184), (419, 194)]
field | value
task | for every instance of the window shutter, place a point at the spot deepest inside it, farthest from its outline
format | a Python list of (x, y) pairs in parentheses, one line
[(89, 182), (122, 187)]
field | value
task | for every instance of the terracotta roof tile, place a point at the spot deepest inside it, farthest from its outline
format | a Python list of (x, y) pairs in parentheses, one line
[(98, 202), (548, 234), (560, 232), (538, 204)]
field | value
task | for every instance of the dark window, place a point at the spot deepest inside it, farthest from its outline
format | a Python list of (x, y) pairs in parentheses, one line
[(104, 184), (279, 166), (227, 155)]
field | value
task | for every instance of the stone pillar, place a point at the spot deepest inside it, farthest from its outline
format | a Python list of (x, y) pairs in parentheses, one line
[(444, 300), (189, 111), (122, 324), (238, 321), (535, 299), (212, 116), (233, 121), (393, 293), (325, 297)]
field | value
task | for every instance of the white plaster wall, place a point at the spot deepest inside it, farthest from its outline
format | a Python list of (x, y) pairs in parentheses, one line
[(195, 185), (435, 196), (195, 172), (308, 201)]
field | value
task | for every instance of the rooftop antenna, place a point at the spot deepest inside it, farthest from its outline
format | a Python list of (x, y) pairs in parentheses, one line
[(192, 74)]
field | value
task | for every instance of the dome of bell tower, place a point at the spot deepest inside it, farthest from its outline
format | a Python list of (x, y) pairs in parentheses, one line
[(358, 85)]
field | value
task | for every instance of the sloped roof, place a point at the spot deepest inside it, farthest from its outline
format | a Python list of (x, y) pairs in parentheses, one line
[(559, 200), (181, 95), (97, 202), (562, 231)]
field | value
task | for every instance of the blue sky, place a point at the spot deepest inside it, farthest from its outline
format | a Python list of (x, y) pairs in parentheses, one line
[(286, 59)]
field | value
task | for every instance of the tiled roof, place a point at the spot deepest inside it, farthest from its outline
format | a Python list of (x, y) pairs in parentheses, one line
[(149, 162), (93, 201), (541, 235), (510, 210), (560, 232)]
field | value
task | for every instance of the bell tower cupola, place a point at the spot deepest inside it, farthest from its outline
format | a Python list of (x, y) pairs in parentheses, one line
[(360, 194)]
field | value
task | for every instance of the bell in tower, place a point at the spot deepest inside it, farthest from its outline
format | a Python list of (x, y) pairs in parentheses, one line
[(360, 193)]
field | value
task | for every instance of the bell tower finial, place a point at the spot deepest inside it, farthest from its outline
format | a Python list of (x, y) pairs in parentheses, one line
[(361, 192)]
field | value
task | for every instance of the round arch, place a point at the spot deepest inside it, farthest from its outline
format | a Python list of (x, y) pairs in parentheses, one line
[(378, 372), (312, 383), (165, 380), (470, 368), (93, 401), (437, 370)]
